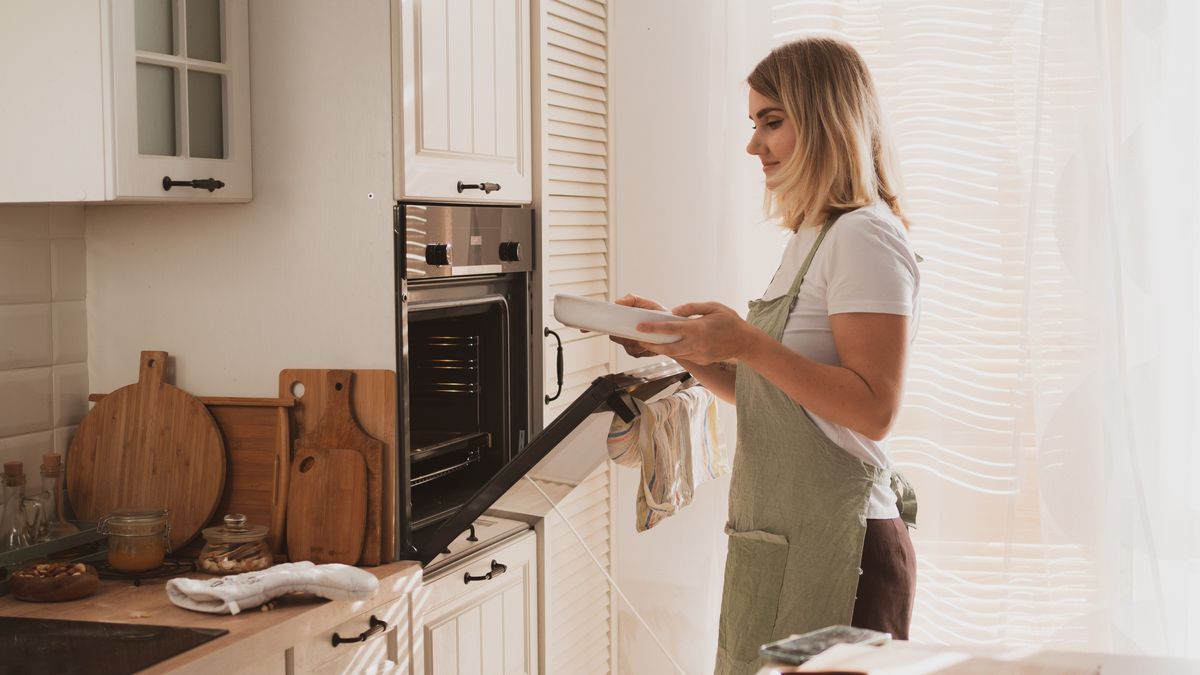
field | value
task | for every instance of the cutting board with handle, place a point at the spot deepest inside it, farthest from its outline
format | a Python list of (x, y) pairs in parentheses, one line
[(148, 444), (372, 404), (257, 439), (327, 506), (337, 429)]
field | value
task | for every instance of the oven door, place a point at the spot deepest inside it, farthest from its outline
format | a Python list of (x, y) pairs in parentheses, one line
[(608, 393)]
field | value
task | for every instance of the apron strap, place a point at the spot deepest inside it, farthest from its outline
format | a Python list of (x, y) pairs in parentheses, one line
[(795, 289)]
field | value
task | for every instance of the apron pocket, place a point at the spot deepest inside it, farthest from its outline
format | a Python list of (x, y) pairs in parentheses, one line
[(753, 582)]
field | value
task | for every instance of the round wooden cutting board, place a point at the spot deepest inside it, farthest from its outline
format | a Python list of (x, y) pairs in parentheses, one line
[(148, 444)]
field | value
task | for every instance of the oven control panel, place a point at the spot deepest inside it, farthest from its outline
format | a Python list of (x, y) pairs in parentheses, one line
[(451, 241)]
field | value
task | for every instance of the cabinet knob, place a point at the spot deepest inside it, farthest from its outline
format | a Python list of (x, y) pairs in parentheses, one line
[(497, 570), (209, 184), (487, 188), (375, 626), (437, 254)]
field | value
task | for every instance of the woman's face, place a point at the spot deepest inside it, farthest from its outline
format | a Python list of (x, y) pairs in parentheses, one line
[(774, 136)]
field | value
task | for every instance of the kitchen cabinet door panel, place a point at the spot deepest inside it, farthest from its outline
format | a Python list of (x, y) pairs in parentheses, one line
[(486, 626), (462, 100)]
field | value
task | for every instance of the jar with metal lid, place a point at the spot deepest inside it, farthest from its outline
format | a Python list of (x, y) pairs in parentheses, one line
[(235, 547), (138, 539)]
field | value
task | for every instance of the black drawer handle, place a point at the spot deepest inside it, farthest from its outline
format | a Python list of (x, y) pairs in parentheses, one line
[(209, 184), (497, 570), (487, 188), (377, 626)]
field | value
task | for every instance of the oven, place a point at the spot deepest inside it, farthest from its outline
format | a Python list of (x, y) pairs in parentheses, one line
[(469, 352), (468, 368)]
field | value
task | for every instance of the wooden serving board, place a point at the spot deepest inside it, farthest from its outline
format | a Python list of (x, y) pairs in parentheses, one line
[(148, 444), (373, 406), (327, 506), (258, 442)]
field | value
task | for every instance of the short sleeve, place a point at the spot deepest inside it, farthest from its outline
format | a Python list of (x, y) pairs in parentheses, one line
[(871, 267)]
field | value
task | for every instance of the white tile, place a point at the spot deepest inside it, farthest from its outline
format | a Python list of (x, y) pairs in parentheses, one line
[(70, 394), (24, 222), (62, 439), (28, 449), (24, 271), (25, 401), (25, 336), (70, 332), (68, 263), (66, 221)]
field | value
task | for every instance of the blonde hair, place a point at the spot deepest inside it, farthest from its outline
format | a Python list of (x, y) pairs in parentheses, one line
[(843, 158)]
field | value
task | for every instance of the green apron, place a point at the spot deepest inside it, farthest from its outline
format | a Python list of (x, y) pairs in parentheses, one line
[(797, 513)]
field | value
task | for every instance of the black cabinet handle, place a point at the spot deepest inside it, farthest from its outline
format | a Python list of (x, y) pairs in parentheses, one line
[(547, 333), (377, 626), (497, 570), (209, 184), (487, 188)]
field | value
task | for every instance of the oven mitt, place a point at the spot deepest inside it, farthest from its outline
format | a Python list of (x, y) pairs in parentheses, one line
[(232, 594)]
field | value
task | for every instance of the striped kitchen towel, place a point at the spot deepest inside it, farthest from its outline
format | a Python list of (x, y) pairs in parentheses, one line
[(674, 442)]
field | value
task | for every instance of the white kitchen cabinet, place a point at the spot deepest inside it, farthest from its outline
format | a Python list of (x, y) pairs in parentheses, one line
[(387, 629), (461, 99), (484, 627), (108, 99)]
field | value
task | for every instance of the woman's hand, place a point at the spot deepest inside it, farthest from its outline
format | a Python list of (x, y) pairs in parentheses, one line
[(716, 334), (633, 347)]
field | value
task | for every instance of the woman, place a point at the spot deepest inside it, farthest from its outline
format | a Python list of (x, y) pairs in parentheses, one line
[(816, 369)]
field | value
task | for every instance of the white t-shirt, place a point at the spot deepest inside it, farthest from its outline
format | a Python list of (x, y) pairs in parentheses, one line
[(865, 264)]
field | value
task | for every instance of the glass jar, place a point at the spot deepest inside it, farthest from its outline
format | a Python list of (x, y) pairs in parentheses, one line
[(54, 523), (138, 539), (235, 547), (20, 514)]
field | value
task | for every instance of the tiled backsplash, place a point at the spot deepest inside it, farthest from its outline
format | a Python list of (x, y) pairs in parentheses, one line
[(43, 331)]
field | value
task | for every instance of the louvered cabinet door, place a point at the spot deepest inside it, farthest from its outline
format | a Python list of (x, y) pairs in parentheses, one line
[(462, 99)]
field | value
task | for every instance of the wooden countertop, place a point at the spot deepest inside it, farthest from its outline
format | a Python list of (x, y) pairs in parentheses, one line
[(253, 634)]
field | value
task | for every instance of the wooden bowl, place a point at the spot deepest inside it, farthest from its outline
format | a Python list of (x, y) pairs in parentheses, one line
[(54, 582)]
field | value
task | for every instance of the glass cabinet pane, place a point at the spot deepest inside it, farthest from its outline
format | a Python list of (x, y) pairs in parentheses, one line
[(204, 29), (206, 107), (156, 109), (154, 29)]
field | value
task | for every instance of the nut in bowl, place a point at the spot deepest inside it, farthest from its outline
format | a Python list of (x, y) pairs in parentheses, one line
[(608, 317), (54, 582)]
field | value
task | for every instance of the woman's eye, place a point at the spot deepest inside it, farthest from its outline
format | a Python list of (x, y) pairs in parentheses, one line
[(774, 124)]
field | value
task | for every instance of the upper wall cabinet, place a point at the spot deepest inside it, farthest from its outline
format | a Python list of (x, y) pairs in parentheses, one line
[(462, 101), (125, 100)]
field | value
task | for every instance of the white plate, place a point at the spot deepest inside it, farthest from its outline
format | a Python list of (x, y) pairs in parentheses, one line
[(606, 317)]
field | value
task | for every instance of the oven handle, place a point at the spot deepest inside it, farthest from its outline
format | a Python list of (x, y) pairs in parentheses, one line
[(547, 333)]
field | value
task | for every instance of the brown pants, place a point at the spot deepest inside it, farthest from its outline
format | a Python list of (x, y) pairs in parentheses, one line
[(888, 583)]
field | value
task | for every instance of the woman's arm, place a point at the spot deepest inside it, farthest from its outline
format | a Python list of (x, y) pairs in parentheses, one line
[(863, 393), (720, 378)]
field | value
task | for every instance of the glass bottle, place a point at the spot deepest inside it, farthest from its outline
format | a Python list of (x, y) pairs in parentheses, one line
[(54, 523), (14, 529)]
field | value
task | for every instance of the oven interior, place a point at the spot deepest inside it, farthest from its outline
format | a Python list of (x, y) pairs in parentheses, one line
[(460, 375)]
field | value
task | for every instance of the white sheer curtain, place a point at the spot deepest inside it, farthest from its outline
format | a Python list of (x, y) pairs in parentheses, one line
[(1050, 419)]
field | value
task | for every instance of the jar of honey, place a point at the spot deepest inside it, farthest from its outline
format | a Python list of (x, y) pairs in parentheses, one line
[(138, 539)]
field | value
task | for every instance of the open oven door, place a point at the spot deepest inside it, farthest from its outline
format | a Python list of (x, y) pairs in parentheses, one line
[(613, 393)]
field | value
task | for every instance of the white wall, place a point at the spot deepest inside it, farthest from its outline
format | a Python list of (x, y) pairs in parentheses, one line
[(43, 332), (674, 152), (302, 275)]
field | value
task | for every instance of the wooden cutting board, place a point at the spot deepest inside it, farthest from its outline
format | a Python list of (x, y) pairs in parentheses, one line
[(327, 506), (373, 406), (257, 439), (148, 444)]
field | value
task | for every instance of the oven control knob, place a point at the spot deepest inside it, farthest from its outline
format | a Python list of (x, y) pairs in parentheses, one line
[(510, 251), (437, 254)]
